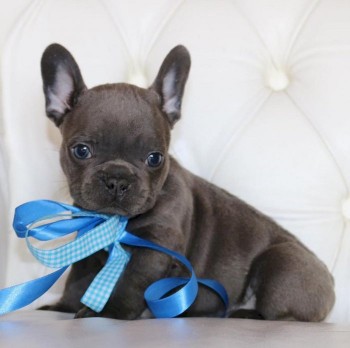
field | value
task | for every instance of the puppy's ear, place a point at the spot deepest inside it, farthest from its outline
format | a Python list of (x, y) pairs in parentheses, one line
[(62, 80), (170, 82)]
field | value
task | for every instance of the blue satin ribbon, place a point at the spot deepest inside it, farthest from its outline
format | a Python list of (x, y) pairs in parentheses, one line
[(94, 232)]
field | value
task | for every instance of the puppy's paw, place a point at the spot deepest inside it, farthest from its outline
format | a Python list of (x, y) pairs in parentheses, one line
[(246, 314), (85, 312), (58, 307)]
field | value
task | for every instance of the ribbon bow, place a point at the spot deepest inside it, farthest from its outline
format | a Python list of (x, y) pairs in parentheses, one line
[(46, 220)]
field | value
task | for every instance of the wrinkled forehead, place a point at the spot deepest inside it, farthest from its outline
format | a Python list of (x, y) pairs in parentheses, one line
[(110, 112)]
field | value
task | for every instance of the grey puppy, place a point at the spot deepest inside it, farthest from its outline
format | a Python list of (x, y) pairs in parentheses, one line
[(115, 156)]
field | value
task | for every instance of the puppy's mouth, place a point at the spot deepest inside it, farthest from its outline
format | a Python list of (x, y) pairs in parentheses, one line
[(131, 205), (116, 210), (108, 209)]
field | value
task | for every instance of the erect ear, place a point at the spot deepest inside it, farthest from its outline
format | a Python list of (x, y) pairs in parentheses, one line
[(170, 82), (62, 80)]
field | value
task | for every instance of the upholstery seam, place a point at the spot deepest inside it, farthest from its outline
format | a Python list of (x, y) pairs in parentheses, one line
[(256, 32), (300, 28), (118, 29), (239, 130), (340, 172), (161, 28), (322, 139)]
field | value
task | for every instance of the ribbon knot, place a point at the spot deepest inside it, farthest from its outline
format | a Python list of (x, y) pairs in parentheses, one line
[(46, 220)]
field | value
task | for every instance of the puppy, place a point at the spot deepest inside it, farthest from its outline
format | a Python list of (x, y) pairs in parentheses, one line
[(114, 154)]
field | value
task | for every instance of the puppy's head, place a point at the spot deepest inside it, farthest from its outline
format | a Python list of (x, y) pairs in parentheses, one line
[(114, 151)]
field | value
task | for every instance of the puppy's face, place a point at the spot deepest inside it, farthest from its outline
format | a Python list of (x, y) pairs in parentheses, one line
[(115, 137), (114, 151)]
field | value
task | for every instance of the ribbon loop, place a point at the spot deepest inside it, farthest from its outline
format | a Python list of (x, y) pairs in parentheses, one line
[(103, 235)]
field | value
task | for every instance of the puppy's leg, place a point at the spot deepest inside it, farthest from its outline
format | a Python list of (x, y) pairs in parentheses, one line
[(127, 300), (291, 283), (207, 304), (80, 277)]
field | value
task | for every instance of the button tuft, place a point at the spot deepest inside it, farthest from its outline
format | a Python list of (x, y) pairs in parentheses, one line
[(277, 80)]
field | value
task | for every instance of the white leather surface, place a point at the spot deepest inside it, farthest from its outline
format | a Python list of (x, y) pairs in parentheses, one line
[(36, 329), (266, 113)]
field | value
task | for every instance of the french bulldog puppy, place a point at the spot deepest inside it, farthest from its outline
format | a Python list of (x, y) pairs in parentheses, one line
[(114, 153)]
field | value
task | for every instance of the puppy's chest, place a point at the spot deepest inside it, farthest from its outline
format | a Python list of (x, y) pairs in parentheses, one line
[(191, 241)]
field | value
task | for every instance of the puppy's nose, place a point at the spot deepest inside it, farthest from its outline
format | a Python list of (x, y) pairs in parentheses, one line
[(118, 187)]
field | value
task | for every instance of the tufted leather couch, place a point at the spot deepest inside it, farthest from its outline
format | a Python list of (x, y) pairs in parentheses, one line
[(266, 115)]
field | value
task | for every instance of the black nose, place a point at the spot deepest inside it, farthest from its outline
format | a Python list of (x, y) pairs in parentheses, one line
[(117, 186)]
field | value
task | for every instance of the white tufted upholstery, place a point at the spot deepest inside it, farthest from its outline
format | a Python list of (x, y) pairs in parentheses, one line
[(266, 113)]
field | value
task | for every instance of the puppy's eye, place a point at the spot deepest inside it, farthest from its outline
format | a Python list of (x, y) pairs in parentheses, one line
[(81, 151), (154, 159)]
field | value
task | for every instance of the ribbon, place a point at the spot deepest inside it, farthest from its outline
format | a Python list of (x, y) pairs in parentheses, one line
[(46, 220)]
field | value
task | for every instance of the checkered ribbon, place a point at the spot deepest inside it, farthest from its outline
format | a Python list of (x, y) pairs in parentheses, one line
[(106, 234), (102, 286)]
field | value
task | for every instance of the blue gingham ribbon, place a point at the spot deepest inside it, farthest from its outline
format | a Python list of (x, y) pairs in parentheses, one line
[(102, 286), (46, 220), (107, 234)]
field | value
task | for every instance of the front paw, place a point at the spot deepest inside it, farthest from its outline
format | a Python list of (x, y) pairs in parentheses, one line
[(86, 312), (58, 307)]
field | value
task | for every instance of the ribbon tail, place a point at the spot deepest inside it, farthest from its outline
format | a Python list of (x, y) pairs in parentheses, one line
[(156, 295), (100, 290), (161, 304), (21, 295)]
